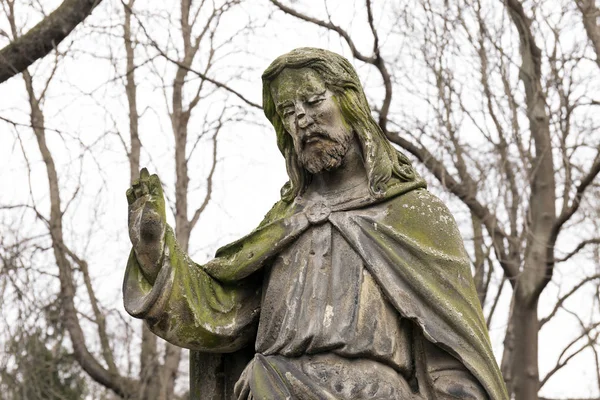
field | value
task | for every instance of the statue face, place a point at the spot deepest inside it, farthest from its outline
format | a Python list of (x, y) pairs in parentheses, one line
[(313, 118)]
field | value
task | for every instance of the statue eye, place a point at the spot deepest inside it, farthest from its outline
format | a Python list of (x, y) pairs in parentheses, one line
[(288, 112), (315, 101)]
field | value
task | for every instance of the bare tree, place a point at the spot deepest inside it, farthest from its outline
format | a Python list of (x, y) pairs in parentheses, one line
[(512, 153), (150, 366), (590, 13), (184, 97), (196, 54), (42, 38)]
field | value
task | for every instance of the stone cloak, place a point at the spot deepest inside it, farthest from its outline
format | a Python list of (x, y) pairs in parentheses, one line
[(408, 240)]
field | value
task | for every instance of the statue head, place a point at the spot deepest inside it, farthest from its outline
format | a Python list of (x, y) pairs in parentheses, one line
[(329, 82)]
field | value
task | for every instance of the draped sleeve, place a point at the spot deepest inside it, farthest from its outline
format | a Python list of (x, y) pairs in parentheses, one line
[(189, 308), (213, 307)]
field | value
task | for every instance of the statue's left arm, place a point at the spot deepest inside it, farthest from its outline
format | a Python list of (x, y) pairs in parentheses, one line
[(433, 235), (413, 248)]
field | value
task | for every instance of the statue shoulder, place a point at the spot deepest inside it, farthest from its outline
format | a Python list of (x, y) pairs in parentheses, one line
[(422, 216), (281, 209)]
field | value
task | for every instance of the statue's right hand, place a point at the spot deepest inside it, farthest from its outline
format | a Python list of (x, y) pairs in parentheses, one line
[(147, 220)]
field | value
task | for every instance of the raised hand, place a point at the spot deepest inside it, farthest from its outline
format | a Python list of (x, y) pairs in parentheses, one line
[(147, 222)]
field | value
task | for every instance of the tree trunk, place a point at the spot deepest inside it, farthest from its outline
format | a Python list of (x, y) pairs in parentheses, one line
[(591, 21), (150, 385), (149, 366), (110, 379), (520, 361)]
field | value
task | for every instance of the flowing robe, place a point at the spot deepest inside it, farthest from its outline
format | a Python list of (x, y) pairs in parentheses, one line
[(359, 299)]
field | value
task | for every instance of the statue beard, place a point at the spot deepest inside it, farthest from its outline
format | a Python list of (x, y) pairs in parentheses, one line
[(326, 154)]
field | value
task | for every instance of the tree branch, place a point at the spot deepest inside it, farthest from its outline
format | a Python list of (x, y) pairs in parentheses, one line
[(577, 249), (209, 182), (590, 13), (583, 185), (44, 37), (99, 317), (193, 71), (488, 320), (560, 364), (562, 300), (327, 25)]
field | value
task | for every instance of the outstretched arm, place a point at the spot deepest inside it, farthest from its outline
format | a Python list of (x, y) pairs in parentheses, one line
[(147, 222), (179, 301), (213, 307)]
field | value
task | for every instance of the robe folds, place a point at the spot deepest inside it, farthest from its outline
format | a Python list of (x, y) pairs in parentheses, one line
[(410, 248)]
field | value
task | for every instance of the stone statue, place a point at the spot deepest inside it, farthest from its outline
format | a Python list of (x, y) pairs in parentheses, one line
[(355, 286)]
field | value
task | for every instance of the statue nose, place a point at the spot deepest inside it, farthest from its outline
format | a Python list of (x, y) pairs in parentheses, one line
[(304, 121), (302, 118)]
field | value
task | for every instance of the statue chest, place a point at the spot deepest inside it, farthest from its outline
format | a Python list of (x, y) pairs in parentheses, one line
[(318, 297)]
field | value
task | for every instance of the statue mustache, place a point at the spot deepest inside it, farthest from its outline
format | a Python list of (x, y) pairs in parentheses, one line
[(317, 134)]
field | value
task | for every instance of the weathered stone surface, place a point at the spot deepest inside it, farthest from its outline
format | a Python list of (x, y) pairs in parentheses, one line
[(355, 286)]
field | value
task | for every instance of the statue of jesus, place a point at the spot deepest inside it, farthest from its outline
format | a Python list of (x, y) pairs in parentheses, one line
[(356, 285)]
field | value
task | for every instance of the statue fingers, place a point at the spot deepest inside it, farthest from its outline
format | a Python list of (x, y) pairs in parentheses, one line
[(154, 185), (144, 188), (136, 188), (144, 184), (137, 191), (130, 196), (144, 174)]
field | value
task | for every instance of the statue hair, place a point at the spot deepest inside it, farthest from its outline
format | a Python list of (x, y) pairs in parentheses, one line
[(382, 161)]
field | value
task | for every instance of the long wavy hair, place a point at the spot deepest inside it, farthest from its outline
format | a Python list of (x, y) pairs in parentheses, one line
[(381, 160)]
